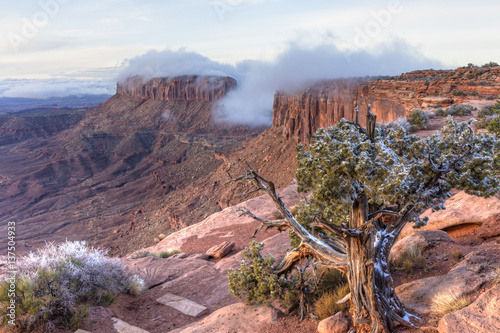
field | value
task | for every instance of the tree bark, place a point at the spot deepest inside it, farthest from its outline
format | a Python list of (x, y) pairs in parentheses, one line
[(376, 307)]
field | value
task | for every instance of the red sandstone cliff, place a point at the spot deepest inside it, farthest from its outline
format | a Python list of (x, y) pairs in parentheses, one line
[(322, 105), (300, 115), (181, 88)]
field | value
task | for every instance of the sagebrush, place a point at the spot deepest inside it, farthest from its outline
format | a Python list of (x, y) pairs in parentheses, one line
[(58, 283), (418, 119)]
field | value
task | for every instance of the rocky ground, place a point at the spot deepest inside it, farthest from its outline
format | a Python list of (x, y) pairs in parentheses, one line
[(462, 264)]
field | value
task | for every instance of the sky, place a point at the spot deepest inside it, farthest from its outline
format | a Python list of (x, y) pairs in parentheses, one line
[(59, 47)]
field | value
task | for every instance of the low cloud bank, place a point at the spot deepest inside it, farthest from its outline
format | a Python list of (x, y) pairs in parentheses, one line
[(296, 67), (59, 87)]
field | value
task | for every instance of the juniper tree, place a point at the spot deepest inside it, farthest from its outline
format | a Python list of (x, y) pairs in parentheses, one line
[(366, 184)]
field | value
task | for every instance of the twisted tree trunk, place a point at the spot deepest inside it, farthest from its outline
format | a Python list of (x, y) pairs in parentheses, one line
[(375, 304)]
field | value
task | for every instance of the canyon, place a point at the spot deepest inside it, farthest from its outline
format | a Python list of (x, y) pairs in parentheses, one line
[(152, 159)]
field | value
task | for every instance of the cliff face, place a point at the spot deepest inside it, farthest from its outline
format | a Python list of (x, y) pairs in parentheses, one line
[(181, 88), (299, 115), (324, 104)]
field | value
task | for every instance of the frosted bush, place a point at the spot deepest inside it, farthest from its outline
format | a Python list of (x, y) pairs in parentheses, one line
[(400, 122), (84, 273), (419, 119), (136, 285), (57, 284)]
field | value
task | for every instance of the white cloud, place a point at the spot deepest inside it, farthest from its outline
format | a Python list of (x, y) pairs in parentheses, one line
[(251, 103)]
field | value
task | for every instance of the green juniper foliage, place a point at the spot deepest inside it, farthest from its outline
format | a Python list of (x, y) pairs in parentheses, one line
[(393, 170), (255, 281), (366, 184)]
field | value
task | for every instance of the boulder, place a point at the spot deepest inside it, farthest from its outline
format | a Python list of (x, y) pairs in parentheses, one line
[(481, 316), (478, 262), (221, 250), (412, 241), (418, 295), (337, 323), (234, 318), (489, 228), (461, 209), (421, 239)]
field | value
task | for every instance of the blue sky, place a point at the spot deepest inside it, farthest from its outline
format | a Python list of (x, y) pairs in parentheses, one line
[(94, 39)]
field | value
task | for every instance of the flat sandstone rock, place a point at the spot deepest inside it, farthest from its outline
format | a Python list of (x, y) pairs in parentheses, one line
[(185, 306), (234, 318), (122, 327)]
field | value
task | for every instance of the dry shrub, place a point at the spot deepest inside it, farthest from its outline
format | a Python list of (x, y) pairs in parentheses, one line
[(327, 306), (495, 277), (447, 302), (331, 279), (409, 259), (456, 255), (168, 253), (136, 286)]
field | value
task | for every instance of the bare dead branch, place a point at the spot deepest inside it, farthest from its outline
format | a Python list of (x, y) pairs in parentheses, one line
[(344, 299), (342, 232), (280, 224), (250, 192), (338, 244), (316, 247)]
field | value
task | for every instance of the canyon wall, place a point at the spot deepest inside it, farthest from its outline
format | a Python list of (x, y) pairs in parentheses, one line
[(181, 88), (300, 114), (322, 105)]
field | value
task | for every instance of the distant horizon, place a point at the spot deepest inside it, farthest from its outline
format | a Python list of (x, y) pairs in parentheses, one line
[(60, 46)]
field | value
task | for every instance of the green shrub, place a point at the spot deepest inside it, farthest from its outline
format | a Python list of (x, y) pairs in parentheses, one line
[(460, 110), (458, 93), (489, 118), (494, 125), (483, 122), (480, 71), (441, 113), (169, 253), (486, 111), (142, 254), (255, 281), (490, 64), (419, 118), (330, 280), (469, 76), (56, 285)]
